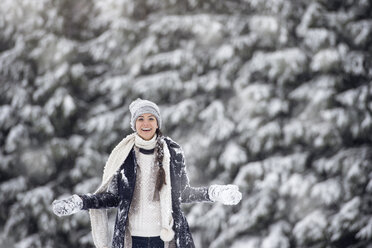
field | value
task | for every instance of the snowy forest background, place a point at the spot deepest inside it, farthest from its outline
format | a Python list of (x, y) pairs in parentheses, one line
[(271, 95)]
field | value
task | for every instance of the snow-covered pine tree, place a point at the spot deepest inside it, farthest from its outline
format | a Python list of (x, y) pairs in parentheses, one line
[(274, 96)]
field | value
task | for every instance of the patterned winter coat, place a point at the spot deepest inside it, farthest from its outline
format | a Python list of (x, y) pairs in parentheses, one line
[(121, 193)]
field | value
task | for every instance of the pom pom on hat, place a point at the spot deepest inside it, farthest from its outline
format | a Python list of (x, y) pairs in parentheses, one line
[(139, 107)]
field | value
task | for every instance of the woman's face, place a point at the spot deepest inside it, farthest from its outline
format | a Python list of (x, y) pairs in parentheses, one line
[(146, 125)]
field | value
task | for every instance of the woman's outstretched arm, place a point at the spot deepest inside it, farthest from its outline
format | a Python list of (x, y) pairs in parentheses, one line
[(76, 203)]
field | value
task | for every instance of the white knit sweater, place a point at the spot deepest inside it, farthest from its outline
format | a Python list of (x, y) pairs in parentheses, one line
[(148, 217), (144, 213)]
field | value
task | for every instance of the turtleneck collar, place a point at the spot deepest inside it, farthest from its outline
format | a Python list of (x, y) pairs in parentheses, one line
[(145, 144)]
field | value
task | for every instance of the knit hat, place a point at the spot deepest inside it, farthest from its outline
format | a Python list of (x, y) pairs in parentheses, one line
[(139, 107)]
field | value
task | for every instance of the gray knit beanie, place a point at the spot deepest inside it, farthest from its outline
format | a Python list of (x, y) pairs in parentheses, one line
[(139, 107)]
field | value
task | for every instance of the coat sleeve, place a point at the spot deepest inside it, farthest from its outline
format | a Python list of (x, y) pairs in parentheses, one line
[(194, 194), (108, 199), (190, 194)]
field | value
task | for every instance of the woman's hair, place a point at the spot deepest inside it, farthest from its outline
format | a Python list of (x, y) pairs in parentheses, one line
[(159, 151)]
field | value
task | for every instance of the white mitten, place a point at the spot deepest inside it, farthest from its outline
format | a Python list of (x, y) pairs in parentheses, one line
[(70, 205), (226, 194)]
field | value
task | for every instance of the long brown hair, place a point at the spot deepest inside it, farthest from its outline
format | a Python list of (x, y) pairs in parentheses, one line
[(159, 150)]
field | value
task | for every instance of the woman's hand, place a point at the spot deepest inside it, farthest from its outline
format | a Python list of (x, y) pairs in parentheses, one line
[(70, 205), (226, 194)]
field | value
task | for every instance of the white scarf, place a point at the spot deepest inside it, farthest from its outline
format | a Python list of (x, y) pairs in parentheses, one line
[(145, 144), (118, 155)]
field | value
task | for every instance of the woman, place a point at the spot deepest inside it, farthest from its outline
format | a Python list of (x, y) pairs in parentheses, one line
[(145, 178)]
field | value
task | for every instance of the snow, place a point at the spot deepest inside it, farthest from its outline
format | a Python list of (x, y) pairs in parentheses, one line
[(281, 64), (270, 182), (211, 82), (360, 31), (68, 106), (77, 70), (248, 174), (297, 185), (124, 178), (369, 186), (350, 97), (330, 167), (146, 47), (337, 116), (184, 111), (318, 38), (355, 173), (321, 89), (309, 17), (20, 97), (223, 54), (221, 126), (293, 131), (116, 86), (264, 25), (277, 237), (325, 60), (112, 9), (33, 240), (310, 229), (39, 198), (157, 85), (5, 117), (329, 191), (53, 51), (270, 6), (38, 165), (273, 96), (245, 43), (354, 62), (11, 188), (266, 138), (208, 30), (246, 242), (365, 232), (101, 122), (232, 156), (89, 185), (61, 100), (17, 136), (169, 61), (345, 217)]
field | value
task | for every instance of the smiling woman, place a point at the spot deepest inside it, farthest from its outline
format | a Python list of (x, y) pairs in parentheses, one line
[(145, 178), (146, 125)]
